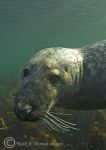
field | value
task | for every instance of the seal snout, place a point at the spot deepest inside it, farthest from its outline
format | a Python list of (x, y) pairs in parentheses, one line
[(24, 113)]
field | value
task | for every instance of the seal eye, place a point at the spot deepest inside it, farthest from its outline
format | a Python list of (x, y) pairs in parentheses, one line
[(25, 73), (54, 79)]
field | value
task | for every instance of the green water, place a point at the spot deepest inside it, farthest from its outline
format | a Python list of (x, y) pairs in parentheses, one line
[(27, 26)]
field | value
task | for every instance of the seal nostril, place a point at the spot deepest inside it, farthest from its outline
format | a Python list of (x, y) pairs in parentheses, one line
[(23, 113), (27, 109)]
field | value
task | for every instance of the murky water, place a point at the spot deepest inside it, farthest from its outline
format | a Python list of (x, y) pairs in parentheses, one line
[(28, 26)]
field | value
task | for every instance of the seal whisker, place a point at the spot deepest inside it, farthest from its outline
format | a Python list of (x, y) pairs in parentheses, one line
[(60, 126), (41, 123), (50, 125), (60, 114), (61, 120), (56, 122), (46, 124), (65, 126)]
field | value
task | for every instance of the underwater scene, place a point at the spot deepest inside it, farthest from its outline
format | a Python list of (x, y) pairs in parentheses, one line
[(26, 27)]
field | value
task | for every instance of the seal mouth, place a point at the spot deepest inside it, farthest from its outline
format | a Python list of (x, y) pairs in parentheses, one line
[(26, 113), (47, 120)]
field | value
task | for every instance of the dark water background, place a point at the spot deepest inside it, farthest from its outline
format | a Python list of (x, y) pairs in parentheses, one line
[(27, 26)]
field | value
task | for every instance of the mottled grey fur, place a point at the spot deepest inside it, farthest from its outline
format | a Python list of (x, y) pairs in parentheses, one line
[(80, 75)]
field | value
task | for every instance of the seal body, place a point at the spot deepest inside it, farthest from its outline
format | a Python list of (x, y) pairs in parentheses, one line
[(92, 93), (93, 87), (70, 78)]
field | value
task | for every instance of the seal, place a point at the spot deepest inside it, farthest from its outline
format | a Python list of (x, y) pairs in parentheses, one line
[(69, 78)]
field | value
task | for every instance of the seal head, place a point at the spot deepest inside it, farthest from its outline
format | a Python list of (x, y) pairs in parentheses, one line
[(50, 76)]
